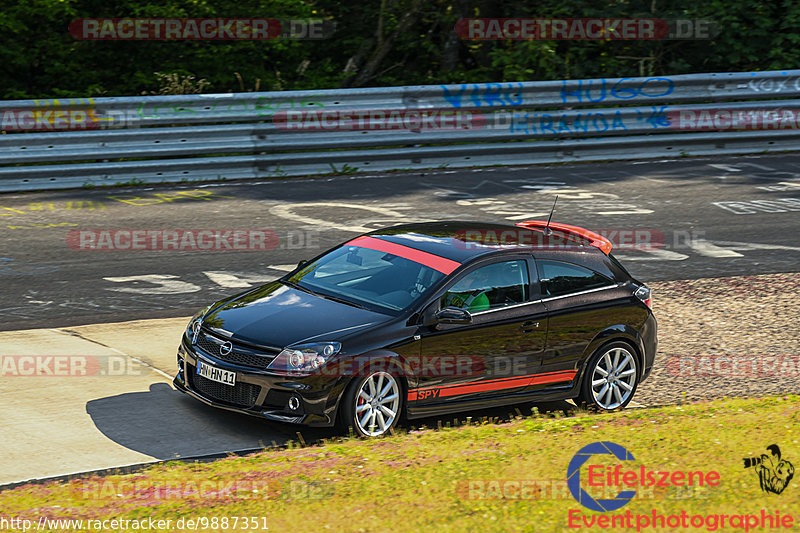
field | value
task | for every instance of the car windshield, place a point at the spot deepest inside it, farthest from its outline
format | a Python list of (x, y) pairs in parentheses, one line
[(369, 278)]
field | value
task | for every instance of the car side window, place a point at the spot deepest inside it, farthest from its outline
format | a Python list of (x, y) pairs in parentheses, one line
[(558, 278), (490, 287)]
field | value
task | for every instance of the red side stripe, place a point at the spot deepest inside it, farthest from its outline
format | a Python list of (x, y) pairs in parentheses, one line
[(481, 387), (500, 380), (509, 383), (443, 265), (563, 376)]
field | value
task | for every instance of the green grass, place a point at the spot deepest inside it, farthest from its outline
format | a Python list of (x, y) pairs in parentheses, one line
[(420, 480)]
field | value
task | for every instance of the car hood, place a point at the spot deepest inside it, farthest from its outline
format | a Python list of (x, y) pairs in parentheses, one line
[(278, 316)]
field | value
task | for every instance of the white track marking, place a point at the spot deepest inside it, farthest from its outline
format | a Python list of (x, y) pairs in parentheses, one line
[(751, 246), (283, 268), (760, 167), (726, 168), (236, 281), (652, 254), (287, 211), (708, 249), (164, 284)]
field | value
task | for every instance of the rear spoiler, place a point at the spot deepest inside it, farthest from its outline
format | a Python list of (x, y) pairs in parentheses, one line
[(595, 239)]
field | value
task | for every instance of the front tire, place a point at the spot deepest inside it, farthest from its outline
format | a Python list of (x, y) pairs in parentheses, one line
[(372, 404), (611, 378)]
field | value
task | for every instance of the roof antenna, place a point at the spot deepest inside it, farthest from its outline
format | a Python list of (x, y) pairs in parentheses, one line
[(547, 231)]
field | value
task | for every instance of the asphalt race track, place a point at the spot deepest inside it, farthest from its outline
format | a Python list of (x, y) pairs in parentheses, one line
[(709, 217), (702, 218)]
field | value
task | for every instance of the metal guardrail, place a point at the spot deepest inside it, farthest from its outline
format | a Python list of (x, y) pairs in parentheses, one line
[(251, 135)]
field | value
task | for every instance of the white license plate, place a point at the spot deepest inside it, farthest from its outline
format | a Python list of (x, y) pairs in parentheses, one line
[(213, 373)]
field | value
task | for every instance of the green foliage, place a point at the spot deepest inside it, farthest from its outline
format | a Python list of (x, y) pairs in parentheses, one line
[(175, 83), (380, 43), (425, 479)]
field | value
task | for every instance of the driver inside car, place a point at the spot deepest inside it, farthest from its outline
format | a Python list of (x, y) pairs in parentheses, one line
[(470, 292)]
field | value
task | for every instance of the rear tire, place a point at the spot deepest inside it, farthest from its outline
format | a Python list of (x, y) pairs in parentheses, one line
[(610, 378), (372, 405)]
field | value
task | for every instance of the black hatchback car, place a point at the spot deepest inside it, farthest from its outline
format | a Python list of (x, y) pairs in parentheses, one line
[(427, 319)]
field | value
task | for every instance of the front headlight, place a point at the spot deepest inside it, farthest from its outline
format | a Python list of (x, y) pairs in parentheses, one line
[(304, 358)]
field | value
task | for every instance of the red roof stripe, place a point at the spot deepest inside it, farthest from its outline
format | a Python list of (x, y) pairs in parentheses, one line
[(443, 265)]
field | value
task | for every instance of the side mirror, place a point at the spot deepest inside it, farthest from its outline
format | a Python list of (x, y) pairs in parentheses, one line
[(453, 315), (302, 262)]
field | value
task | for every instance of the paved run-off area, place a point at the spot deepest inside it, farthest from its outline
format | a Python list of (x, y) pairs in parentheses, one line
[(733, 336), (110, 404)]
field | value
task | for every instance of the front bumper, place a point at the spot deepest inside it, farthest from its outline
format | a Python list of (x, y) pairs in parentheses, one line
[(261, 394)]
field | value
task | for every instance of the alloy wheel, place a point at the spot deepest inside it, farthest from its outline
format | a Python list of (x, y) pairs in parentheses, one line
[(377, 404), (614, 378)]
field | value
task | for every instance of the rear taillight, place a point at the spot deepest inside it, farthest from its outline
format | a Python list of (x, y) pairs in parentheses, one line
[(645, 294)]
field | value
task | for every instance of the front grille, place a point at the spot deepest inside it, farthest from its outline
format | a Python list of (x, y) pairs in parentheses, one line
[(240, 395), (207, 345), (239, 355)]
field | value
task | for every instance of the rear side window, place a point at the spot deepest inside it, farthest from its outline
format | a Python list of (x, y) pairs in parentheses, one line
[(558, 278)]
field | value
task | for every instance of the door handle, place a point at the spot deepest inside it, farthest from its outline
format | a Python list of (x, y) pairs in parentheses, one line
[(529, 326)]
